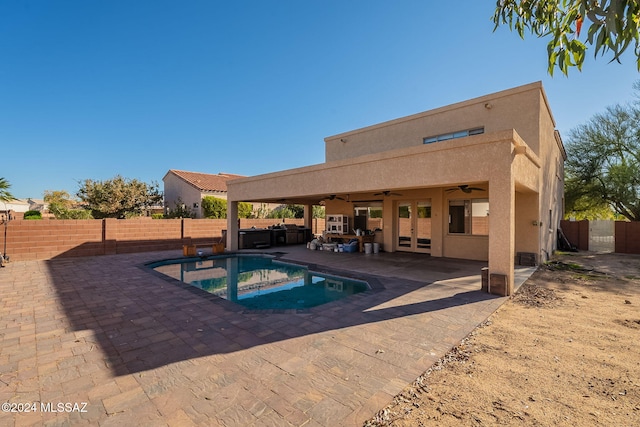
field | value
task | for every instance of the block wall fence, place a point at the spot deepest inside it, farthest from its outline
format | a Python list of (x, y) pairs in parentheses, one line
[(627, 235), (46, 239)]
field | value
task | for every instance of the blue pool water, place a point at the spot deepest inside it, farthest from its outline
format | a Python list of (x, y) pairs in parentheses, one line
[(260, 282)]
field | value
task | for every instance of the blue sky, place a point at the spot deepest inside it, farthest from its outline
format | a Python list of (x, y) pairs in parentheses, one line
[(93, 89)]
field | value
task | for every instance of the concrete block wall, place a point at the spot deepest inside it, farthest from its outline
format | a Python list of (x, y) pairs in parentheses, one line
[(143, 234), (202, 231), (45, 239), (30, 239)]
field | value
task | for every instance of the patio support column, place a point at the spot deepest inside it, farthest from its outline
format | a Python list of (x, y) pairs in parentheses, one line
[(502, 230), (388, 221), (308, 216), (232, 226)]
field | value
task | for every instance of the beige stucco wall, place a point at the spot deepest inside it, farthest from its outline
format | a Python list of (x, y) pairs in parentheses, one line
[(176, 188), (516, 108)]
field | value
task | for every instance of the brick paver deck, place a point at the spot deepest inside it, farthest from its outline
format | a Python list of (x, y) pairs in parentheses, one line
[(120, 345)]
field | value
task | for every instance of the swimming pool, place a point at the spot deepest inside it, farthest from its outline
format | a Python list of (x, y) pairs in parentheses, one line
[(260, 282)]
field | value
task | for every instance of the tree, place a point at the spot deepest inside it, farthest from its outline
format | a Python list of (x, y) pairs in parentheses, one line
[(603, 162), (214, 207), (63, 207), (58, 201), (287, 211), (245, 210), (181, 210), (5, 195), (613, 27), (118, 197)]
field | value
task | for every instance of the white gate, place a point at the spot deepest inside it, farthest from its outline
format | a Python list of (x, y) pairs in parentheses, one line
[(601, 235)]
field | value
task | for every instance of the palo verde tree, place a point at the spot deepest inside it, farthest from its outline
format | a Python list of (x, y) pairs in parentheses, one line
[(612, 27), (603, 162), (118, 197)]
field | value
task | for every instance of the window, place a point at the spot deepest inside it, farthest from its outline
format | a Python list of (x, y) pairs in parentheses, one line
[(453, 135), (469, 217), (368, 217)]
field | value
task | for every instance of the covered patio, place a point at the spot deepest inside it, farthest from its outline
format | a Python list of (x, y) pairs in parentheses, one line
[(498, 168)]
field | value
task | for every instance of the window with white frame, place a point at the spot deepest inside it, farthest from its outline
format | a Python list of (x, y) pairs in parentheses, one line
[(470, 216)]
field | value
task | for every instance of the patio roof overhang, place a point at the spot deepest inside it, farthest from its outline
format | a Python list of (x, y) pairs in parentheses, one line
[(468, 160)]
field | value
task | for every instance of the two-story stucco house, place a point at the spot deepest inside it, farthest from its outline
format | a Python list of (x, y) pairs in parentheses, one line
[(481, 179)]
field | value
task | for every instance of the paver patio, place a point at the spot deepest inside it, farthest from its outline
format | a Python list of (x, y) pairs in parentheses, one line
[(131, 348)]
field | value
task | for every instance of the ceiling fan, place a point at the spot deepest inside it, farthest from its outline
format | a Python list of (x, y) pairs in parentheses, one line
[(465, 188), (387, 193), (335, 197)]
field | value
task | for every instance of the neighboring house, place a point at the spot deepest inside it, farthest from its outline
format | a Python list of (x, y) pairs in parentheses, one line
[(38, 205), (189, 188), (481, 179), (17, 207)]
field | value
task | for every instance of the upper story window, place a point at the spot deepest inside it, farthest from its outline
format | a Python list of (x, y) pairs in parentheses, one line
[(453, 135)]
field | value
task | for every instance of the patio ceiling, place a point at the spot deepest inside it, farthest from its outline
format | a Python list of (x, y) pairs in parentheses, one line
[(321, 199)]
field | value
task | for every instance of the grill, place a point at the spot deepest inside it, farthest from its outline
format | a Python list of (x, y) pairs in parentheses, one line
[(294, 234)]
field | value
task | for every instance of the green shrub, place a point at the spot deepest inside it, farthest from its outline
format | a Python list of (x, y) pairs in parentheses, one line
[(32, 215), (214, 207), (78, 214), (65, 213), (244, 210), (157, 216)]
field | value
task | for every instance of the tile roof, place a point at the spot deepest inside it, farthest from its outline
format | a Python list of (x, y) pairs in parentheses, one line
[(206, 181)]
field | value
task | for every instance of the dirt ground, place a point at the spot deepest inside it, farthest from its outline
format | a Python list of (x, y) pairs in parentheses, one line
[(564, 351)]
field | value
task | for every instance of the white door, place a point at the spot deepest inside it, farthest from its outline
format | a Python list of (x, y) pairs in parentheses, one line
[(414, 226)]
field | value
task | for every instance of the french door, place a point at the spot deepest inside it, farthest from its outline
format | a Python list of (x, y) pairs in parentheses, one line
[(414, 226)]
